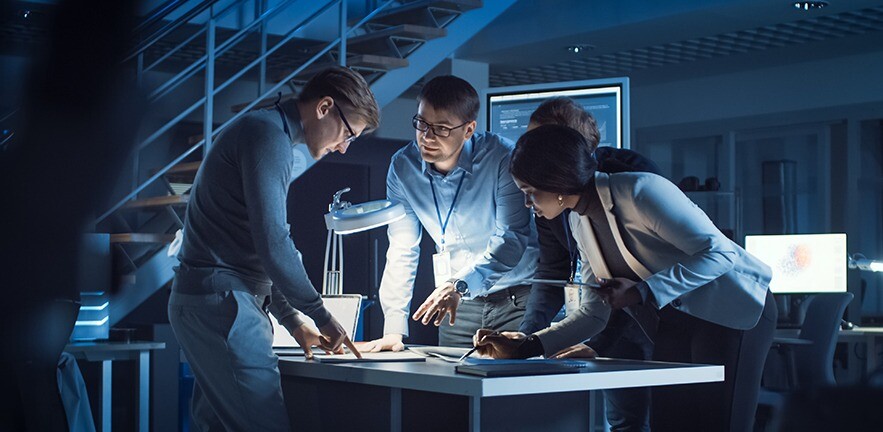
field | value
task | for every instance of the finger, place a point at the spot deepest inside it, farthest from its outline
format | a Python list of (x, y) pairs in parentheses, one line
[(398, 347), (442, 313), (352, 347), (453, 316), (428, 316), (423, 308), (377, 347), (308, 352), (325, 344)]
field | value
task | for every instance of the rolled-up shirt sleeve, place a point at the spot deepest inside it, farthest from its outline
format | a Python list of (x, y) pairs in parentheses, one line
[(402, 257)]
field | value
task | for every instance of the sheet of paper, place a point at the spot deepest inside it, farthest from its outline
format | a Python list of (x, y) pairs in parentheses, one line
[(385, 356), (448, 354)]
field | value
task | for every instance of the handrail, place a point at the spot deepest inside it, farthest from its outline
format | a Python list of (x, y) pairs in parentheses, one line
[(194, 67), (170, 27), (251, 105), (170, 124), (158, 14)]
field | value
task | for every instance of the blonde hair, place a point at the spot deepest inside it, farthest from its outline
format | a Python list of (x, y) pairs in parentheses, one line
[(349, 89)]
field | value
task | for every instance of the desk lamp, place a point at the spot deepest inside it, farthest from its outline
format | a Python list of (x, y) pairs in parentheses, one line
[(861, 262), (345, 218)]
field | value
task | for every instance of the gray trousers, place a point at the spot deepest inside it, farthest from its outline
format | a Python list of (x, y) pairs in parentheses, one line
[(228, 340), (501, 311)]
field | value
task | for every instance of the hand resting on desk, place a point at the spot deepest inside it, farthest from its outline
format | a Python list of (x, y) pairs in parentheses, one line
[(498, 345), (575, 351), (390, 342)]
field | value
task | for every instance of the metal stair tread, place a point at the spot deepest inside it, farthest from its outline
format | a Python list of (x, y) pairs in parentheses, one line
[(156, 202), (370, 42), (141, 238), (361, 61), (409, 10)]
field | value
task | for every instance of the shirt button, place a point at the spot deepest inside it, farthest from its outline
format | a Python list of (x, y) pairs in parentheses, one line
[(676, 303)]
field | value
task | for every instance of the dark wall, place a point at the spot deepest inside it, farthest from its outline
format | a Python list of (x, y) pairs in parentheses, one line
[(363, 169)]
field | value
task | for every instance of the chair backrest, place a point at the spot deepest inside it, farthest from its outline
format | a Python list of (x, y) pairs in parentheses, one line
[(813, 363)]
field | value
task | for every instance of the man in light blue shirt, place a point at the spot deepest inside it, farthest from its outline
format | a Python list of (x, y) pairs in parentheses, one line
[(455, 183)]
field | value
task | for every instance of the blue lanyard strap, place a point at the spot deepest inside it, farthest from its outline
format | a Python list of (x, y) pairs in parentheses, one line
[(573, 254), (444, 224)]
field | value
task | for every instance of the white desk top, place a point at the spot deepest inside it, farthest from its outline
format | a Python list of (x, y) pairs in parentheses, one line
[(439, 376)]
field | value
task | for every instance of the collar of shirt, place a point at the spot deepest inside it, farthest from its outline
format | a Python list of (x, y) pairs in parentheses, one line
[(295, 124), (464, 161)]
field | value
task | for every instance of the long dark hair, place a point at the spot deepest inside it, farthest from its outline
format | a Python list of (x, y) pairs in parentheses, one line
[(554, 159)]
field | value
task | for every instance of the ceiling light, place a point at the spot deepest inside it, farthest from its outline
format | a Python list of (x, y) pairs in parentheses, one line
[(577, 49), (807, 5)]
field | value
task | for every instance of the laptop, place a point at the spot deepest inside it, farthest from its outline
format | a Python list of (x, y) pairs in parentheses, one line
[(344, 308)]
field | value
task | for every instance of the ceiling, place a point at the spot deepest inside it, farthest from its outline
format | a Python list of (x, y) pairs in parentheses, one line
[(658, 41)]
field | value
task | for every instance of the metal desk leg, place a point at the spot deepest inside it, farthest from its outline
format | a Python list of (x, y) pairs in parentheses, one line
[(144, 391), (474, 414), (395, 410), (106, 394)]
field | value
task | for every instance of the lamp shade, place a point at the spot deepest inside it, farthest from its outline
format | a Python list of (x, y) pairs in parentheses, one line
[(365, 216)]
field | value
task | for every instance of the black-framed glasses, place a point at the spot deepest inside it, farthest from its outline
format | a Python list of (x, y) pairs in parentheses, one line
[(349, 128), (439, 131)]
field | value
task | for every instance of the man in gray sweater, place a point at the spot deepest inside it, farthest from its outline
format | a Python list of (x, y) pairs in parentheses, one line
[(238, 259)]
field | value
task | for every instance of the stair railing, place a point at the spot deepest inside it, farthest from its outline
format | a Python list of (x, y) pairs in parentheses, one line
[(207, 63)]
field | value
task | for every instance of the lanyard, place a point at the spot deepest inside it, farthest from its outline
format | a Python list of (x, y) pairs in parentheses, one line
[(573, 255), (444, 224)]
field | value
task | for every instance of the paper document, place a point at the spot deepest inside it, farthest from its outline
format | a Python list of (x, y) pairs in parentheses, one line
[(448, 354), (384, 356)]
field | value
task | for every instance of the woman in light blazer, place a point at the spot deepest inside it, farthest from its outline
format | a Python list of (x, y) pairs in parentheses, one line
[(651, 248)]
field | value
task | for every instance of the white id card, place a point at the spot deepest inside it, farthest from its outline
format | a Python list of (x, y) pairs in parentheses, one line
[(572, 295), (441, 267)]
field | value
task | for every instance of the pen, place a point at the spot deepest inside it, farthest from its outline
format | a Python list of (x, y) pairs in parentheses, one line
[(472, 350)]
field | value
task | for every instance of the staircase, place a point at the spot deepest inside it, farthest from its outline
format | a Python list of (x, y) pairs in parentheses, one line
[(393, 46)]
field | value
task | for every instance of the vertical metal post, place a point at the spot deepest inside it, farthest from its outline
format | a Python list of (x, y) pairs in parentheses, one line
[(136, 157), (395, 409), (144, 391), (342, 57), (106, 394), (262, 6), (208, 113)]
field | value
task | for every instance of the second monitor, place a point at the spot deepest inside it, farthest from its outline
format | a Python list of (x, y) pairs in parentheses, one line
[(509, 108)]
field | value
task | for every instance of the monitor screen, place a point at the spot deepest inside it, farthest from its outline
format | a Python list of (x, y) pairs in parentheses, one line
[(802, 263), (509, 108)]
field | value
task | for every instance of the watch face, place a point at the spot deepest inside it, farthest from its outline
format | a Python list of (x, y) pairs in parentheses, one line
[(460, 286)]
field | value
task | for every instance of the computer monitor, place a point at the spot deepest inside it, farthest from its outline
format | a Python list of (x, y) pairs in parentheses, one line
[(802, 263), (508, 109)]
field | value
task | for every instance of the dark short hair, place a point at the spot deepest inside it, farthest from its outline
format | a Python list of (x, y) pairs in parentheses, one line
[(553, 158), (565, 111), (453, 95), (347, 88)]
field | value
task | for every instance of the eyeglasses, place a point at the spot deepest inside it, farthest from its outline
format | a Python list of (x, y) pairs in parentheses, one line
[(353, 136), (439, 131)]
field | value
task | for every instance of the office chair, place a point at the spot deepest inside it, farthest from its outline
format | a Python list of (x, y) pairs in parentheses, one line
[(808, 357)]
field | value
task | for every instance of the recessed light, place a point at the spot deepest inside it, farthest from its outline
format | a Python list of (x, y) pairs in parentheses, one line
[(807, 5), (580, 48)]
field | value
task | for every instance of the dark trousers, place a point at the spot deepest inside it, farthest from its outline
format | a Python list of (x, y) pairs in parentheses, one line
[(724, 406), (500, 311), (627, 409)]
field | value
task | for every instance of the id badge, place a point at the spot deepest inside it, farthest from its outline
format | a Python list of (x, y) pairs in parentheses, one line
[(571, 299), (441, 267)]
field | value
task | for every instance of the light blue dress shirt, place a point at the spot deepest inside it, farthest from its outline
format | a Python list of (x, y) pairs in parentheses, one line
[(490, 235)]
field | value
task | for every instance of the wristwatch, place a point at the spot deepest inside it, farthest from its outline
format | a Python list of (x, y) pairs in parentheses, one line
[(460, 286)]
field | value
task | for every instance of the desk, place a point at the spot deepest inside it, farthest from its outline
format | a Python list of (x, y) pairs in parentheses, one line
[(867, 336), (431, 396), (106, 353)]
